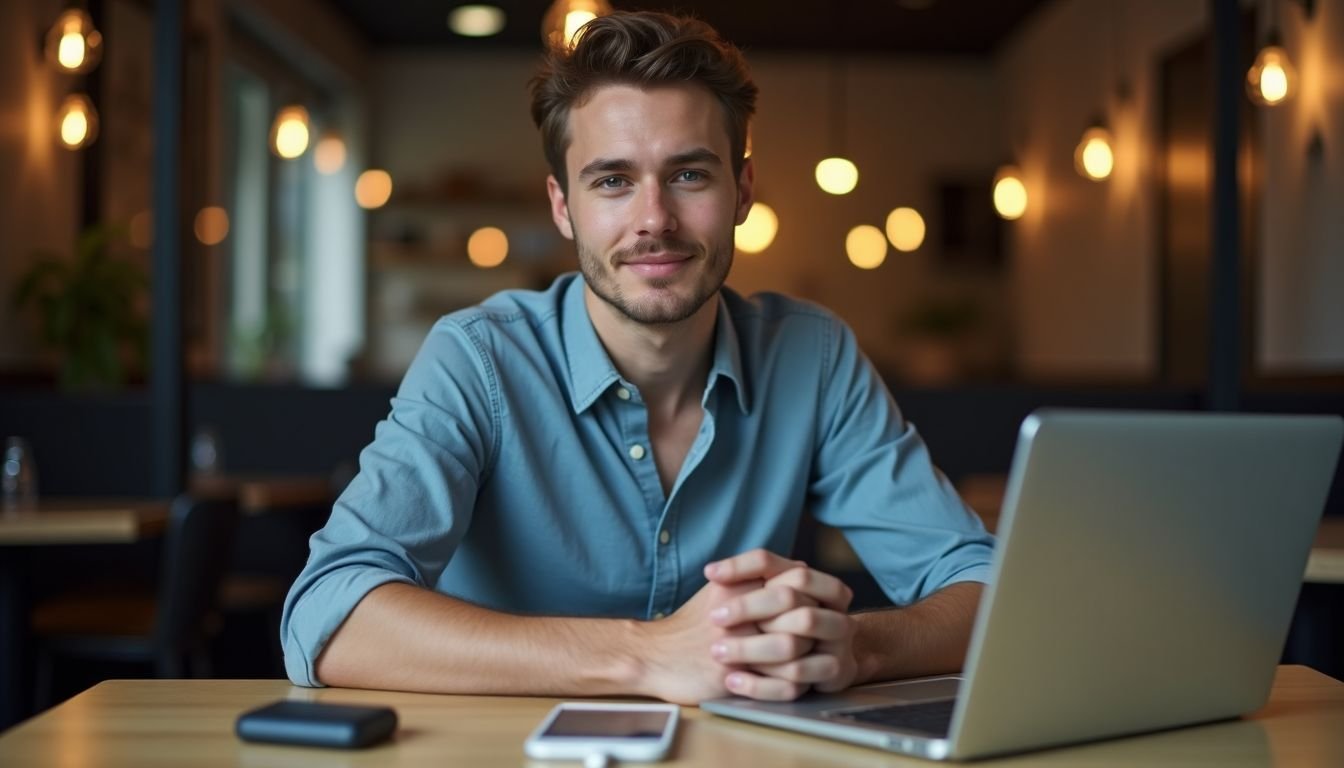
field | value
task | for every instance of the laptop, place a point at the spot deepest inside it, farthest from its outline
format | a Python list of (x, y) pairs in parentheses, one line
[(1145, 576)]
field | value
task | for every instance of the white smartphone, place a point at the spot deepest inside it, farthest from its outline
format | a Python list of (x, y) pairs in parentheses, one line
[(577, 730)]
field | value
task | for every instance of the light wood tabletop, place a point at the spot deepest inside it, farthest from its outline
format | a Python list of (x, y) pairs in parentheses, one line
[(190, 723), (262, 494), (84, 521)]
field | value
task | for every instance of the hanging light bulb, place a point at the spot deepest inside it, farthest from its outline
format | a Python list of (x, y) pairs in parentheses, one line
[(757, 232), (289, 134), (1271, 78), (329, 154), (1094, 157), (866, 246), (837, 175), (373, 188), (488, 247), (905, 229), (565, 18), (73, 45), (1010, 194), (76, 122)]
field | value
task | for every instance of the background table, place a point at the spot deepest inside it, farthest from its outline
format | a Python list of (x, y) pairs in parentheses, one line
[(190, 723)]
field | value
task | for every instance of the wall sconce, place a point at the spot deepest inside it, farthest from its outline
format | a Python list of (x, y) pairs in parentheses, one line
[(76, 122), (1094, 157), (289, 133), (564, 18), (1272, 79), (1010, 193), (72, 44)]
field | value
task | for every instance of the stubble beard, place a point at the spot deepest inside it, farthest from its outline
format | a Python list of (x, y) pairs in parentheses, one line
[(666, 307)]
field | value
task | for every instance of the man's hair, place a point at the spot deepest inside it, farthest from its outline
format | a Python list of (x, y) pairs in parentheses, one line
[(643, 49)]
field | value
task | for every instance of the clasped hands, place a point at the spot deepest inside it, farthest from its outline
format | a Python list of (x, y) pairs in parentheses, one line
[(764, 627)]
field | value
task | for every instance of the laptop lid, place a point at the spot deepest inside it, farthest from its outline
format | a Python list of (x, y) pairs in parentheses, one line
[(1146, 574)]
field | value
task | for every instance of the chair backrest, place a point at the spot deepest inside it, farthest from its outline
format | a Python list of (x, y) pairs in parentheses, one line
[(196, 554)]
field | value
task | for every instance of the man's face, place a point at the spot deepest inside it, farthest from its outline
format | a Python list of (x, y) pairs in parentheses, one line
[(652, 200)]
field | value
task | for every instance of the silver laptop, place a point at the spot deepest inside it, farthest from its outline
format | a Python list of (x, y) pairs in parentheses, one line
[(1146, 572)]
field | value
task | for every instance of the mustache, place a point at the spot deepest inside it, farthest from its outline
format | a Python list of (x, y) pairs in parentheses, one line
[(657, 245)]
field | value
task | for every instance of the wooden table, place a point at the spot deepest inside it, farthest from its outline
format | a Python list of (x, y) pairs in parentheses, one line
[(84, 521), (190, 723), (262, 494), (55, 521)]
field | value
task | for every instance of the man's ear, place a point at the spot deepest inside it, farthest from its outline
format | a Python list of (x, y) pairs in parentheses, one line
[(559, 208), (746, 190)]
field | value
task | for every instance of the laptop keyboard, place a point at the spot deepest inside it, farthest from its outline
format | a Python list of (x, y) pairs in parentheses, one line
[(931, 717)]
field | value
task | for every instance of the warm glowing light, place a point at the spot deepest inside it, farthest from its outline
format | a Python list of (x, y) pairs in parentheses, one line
[(77, 121), (1010, 194), (905, 229), (329, 154), (758, 231), (1272, 78), (289, 136), (565, 18), (212, 225), (866, 246), (1093, 156), (837, 175), (476, 20), (373, 188), (487, 247), (73, 45), (141, 229)]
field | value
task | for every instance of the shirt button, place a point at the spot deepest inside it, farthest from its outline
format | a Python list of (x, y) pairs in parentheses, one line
[(658, 615), (623, 393), (636, 452), (664, 537)]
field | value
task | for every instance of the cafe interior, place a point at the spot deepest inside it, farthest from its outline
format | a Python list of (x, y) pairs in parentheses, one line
[(227, 225)]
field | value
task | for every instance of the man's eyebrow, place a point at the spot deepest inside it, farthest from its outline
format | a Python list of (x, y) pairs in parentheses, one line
[(605, 165), (700, 155)]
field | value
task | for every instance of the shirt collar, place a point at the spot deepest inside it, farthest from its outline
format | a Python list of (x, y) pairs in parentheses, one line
[(591, 371)]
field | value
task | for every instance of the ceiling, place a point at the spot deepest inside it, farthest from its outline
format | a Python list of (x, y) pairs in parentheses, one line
[(899, 27)]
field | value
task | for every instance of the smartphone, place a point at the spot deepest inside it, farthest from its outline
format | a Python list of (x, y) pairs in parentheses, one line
[(576, 730), (317, 724)]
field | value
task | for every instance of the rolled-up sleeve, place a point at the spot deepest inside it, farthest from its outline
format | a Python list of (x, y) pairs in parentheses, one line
[(403, 516), (874, 480)]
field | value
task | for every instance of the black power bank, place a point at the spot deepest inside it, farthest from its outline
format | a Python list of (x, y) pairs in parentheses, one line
[(314, 724)]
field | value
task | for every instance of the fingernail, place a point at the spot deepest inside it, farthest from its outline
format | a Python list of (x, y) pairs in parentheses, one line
[(719, 614), (719, 650), (711, 570), (734, 681)]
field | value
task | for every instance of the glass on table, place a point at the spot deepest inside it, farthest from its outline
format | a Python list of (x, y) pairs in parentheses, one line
[(18, 476)]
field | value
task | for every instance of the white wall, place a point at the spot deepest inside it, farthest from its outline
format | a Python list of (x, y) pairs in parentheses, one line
[(1084, 254), (1301, 327), (39, 180)]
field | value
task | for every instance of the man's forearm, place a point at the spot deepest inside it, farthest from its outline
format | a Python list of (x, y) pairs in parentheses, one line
[(401, 637), (927, 638)]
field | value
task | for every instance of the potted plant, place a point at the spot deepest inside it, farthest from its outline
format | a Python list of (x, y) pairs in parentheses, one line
[(89, 310)]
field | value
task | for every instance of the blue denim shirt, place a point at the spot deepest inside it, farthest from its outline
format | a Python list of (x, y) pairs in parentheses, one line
[(515, 472)]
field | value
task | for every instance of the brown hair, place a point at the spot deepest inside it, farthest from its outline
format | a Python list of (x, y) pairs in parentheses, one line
[(644, 48)]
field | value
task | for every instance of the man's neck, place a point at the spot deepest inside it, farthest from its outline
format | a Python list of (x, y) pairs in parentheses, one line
[(667, 362)]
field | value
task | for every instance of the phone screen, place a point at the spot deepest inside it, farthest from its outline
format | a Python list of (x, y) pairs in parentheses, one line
[(607, 724)]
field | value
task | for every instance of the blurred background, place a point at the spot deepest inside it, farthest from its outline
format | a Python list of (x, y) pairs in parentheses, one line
[(226, 226)]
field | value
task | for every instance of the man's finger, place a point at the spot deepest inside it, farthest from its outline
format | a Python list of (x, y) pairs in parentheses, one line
[(819, 668), (756, 564), (761, 649), (764, 688), (820, 586), (816, 623), (759, 605)]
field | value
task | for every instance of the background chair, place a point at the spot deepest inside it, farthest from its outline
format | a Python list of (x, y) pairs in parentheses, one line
[(169, 629)]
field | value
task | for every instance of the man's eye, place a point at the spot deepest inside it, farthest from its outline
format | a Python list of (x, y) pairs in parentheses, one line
[(690, 176), (611, 182)]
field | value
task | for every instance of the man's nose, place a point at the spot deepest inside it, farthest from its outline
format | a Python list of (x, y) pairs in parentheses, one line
[(655, 215)]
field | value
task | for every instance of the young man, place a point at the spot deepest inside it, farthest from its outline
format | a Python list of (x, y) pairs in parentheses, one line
[(590, 490)]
